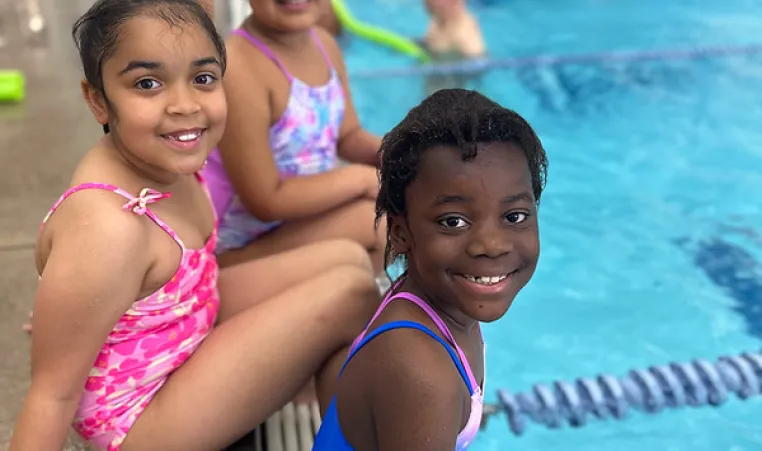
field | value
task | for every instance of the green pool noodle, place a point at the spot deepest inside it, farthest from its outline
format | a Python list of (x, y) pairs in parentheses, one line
[(12, 86), (377, 34)]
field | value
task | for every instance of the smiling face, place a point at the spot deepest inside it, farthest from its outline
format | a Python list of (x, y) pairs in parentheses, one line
[(164, 101), (470, 233), (286, 16)]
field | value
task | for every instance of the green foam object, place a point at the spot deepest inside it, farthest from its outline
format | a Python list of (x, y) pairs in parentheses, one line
[(12, 86), (377, 34)]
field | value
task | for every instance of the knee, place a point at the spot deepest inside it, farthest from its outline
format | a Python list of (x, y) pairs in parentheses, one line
[(357, 294), (381, 235), (350, 253)]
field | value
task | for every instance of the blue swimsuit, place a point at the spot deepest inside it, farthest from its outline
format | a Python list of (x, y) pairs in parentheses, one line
[(330, 436)]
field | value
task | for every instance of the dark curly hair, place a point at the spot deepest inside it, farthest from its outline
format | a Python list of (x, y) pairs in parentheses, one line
[(96, 34), (450, 117)]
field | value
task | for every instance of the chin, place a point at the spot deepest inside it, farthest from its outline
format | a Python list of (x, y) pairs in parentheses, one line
[(490, 311)]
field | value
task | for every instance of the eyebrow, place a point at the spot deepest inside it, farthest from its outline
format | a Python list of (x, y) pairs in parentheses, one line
[(153, 65), (449, 199)]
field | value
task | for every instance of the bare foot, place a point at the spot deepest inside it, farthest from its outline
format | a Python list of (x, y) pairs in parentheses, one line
[(28, 326)]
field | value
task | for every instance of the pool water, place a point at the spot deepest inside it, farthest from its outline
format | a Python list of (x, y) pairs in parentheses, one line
[(650, 225)]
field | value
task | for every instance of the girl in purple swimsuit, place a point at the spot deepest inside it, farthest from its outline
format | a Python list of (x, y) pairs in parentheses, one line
[(275, 178), (461, 178)]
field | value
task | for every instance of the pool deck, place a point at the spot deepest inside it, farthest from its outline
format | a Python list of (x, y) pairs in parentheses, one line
[(41, 141)]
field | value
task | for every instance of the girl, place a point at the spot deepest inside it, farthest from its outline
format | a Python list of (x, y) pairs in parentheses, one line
[(275, 180), (131, 343), (460, 181)]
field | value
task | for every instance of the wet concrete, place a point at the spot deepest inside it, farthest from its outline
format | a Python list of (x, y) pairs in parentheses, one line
[(41, 140)]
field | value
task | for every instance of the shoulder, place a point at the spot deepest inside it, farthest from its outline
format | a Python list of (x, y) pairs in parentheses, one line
[(408, 365), (95, 221), (412, 390)]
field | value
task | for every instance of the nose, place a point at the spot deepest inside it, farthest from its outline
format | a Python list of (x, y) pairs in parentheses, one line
[(183, 101), (490, 240)]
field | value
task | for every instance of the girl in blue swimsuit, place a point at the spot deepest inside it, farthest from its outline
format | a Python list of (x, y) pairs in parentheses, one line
[(461, 178)]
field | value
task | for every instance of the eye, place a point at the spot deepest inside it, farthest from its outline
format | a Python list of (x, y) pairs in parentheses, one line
[(147, 84), (205, 79), (516, 217), (453, 222)]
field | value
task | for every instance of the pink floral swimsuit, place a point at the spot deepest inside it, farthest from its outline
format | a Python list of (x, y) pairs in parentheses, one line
[(152, 339)]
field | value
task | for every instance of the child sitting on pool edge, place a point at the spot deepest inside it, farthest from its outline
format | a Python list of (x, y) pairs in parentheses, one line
[(461, 178), (453, 35), (275, 177)]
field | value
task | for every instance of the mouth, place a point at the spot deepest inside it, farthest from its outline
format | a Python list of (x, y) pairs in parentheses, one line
[(486, 283), (185, 139), (294, 4)]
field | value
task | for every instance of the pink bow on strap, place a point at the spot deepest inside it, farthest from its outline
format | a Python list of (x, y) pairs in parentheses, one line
[(147, 196)]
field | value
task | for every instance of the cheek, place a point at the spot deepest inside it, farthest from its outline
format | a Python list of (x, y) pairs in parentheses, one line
[(530, 246), (217, 108), (138, 115)]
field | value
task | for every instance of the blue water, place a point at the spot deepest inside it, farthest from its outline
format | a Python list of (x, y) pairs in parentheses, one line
[(652, 219)]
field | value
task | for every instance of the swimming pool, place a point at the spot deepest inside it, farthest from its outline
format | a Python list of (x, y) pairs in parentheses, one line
[(651, 237)]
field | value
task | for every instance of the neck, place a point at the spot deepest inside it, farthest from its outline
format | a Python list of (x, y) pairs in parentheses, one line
[(288, 40), (455, 319), (158, 179)]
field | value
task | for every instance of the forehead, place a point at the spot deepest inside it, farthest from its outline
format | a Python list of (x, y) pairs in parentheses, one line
[(498, 169), (152, 39)]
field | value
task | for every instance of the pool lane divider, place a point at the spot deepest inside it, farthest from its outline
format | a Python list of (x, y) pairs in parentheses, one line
[(484, 64), (699, 383)]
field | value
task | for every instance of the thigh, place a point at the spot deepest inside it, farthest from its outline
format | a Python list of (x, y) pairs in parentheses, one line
[(244, 285), (252, 364), (354, 221)]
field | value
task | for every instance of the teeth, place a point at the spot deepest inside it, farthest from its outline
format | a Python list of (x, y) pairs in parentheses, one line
[(484, 280), (185, 137)]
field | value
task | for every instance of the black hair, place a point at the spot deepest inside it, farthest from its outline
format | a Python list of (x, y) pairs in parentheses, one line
[(450, 117), (96, 33)]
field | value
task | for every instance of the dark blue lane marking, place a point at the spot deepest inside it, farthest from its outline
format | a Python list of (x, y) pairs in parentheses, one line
[(737, 273)]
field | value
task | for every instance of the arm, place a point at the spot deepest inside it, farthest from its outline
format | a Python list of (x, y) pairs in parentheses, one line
[(94, 272), (471, 39), (355, 143), (248, 159), (416, 395)]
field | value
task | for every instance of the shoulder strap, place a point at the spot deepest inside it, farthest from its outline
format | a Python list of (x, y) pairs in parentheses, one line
[(323, 52), (137, 205), (434, 317), (412, 325), (264, 49)]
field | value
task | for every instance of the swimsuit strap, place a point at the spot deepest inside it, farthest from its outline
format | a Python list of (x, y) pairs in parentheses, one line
[(264, 49), (271, 55), (463, 370), (321, 48), (135, 204), (202, 181), (434, 317)]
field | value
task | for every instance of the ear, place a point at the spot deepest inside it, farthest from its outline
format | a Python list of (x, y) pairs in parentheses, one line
[(96, 101), (399, 235)]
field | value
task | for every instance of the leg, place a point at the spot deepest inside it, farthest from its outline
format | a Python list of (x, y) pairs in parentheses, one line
[(274, 274), (254, 362), (245, 285), (352, 221)]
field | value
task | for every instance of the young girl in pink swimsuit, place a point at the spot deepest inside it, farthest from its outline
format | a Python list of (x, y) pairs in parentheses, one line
[(276, 180), (461, 178), (131, 344)]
